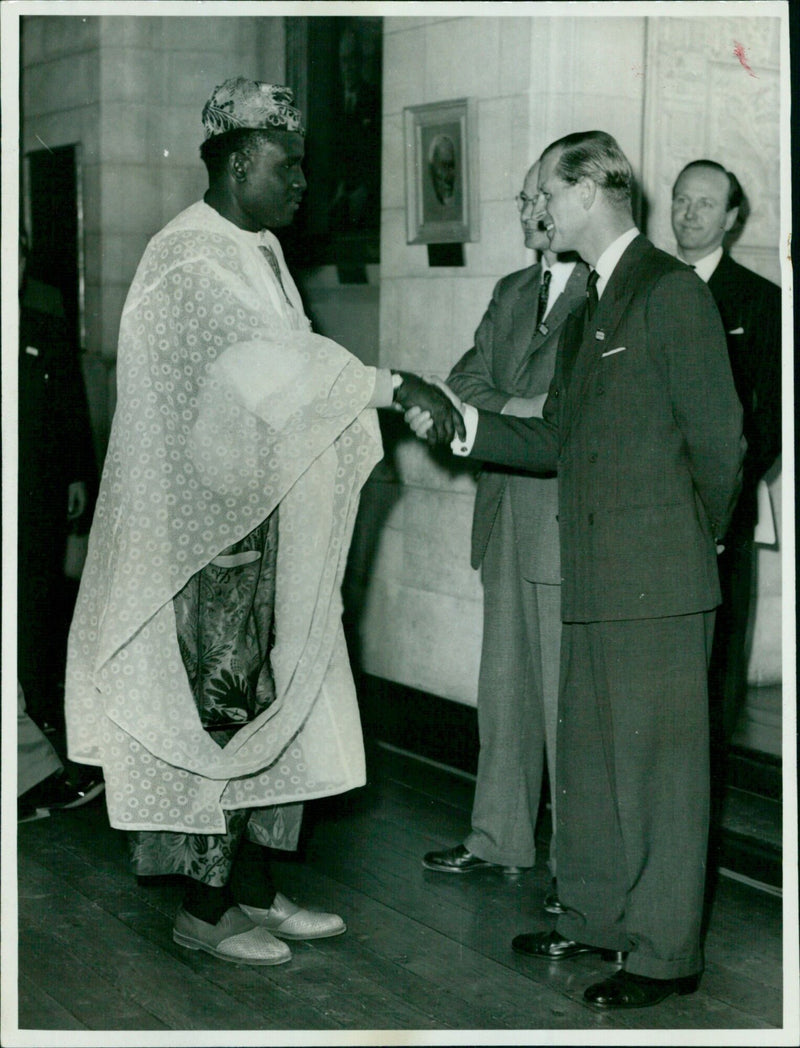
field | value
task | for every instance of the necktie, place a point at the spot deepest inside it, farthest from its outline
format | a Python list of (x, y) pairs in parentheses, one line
[(544, 290), (269, 255), (592, 297)]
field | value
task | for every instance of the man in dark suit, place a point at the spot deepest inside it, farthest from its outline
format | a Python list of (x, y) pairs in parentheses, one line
[(643, 424), (57, 476), (515, 543), (706, 205)]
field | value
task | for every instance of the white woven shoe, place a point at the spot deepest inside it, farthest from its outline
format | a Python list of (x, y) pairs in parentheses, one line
[(289, 921), (233, 938)]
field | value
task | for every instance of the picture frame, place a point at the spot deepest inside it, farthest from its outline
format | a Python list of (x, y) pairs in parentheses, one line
[(441, 172)]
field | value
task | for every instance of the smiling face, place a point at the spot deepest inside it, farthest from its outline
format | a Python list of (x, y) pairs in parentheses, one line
[(564, 216), (271, 184), (700, 215), (532, 214)]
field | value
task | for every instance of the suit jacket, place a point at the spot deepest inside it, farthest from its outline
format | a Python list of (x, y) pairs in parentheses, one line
[(750, 307), (55, 442), (645, 429), (511, 358)]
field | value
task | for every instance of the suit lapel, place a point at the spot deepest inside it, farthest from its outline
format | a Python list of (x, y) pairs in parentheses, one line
[(523, 319), (559, 311), (723, 285), (565, 303), (599, 335)]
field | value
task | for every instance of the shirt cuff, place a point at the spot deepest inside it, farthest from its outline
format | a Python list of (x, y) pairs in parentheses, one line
[(460, 447), (383, 393)]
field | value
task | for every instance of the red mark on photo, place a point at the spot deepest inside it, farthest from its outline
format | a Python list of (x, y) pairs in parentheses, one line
[(739, 52)]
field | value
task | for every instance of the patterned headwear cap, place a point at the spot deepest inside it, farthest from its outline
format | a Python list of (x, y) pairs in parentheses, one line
[(251, 104)]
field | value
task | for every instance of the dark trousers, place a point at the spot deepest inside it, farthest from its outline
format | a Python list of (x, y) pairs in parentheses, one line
[(727, 675), (45, 600), (633, 788)]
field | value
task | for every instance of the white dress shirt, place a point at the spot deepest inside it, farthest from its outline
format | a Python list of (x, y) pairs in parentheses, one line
[(706, 266), (607, 262)]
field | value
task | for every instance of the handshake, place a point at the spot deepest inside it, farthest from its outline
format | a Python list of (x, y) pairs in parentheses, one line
[(432, 410)]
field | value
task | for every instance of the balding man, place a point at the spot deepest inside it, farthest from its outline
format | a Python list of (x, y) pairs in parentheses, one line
[(515, 544), (706, 205)]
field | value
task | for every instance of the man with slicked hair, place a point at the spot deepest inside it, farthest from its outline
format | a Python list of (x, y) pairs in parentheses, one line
[(643, 425)]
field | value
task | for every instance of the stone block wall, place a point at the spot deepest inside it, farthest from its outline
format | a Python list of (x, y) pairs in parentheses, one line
[(130, 90)]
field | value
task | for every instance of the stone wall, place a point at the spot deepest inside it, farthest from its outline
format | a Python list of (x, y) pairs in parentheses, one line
[(130, 91)]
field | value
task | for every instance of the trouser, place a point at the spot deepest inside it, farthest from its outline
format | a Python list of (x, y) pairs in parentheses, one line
[(517, 703), (633, 788), (44, 607)]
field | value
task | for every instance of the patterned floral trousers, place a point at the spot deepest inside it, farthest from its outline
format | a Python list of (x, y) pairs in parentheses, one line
[(225, 621)]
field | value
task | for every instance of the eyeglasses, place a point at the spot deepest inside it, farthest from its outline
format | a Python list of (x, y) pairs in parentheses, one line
[(522, 200)]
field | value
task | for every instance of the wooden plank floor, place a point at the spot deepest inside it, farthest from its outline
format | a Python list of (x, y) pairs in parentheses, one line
[(423, 952)]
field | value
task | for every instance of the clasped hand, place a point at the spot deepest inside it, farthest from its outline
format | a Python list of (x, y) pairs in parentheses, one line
[(421, 400)]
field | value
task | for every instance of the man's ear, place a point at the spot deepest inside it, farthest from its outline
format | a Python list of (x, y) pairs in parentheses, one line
[(238, 164), (588, 192), (730, 219)]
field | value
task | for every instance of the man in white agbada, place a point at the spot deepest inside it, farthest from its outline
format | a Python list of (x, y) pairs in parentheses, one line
[(207, 670)]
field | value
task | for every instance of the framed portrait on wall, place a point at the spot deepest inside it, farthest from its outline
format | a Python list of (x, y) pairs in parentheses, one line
[(441, 172)]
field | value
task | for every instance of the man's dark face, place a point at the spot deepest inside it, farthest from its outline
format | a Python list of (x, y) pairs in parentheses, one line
[(271, 192)]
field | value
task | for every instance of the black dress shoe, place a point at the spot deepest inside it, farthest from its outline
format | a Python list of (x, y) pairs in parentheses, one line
[(461, 860), (61, 792), (627, 990), (552, 947), (552, 903)]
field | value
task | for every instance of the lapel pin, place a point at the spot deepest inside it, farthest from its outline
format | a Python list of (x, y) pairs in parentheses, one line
[(600, 335)]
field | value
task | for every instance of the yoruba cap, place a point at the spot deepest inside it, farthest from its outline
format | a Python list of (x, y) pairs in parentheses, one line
[(241, 103)]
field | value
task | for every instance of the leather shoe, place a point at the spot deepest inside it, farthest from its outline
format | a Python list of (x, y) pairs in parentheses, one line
[(287, 920), (552, 947), (552, 903), (461, 860), (233, 938), (627, 990)]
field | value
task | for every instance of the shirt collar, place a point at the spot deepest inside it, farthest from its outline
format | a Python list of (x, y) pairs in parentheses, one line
[(246, 236), (705, 266), (607, 262), (558, 266)]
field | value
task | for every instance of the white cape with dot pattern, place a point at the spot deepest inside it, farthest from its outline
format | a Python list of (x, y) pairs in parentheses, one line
[(228, 406)]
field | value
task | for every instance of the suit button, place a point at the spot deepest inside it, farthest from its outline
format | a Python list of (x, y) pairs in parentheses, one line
[(600, 391), (593, 457), (556, 392), (590, 518)]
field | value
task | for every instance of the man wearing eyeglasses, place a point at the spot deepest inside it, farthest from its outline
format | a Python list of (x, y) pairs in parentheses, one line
[(515, 544)]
